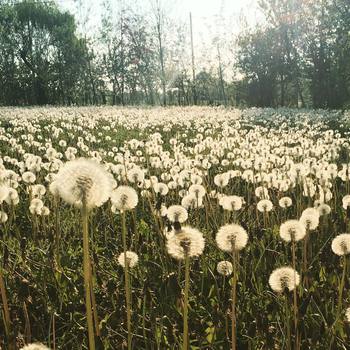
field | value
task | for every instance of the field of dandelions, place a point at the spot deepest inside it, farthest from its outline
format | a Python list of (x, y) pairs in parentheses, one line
[(178, 228)]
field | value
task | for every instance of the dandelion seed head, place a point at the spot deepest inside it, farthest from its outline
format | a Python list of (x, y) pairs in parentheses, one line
[(285, 202), (83, 178), (292, 230), (341, 244), (35, 346), (347, 314), (188, 239), (231, 203), (124, 198), (231, 237), (264, 205), (282, 278), (131, 259), (177, 213), (224, 268)]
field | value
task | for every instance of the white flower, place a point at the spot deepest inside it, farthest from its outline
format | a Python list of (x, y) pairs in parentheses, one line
[(310, 218), (28, 177), (188, 240), (124, 198), (347, 314), (83, 178), (35, 346), (4, 192), (264, 205), (221, 180), (224, 268), (191, 201), (231, 203), (292, 230), (135, 175), (177, 213), (284, 277), (285, 202), (131, 259), (161, 188), (341, 244), (197, 190), (231, 237)]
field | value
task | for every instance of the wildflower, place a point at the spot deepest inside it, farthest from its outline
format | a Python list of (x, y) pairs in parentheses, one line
[(341, 244), (28, 177), (224, 268), (292, 230), (347, 314), (35, 346), (285, 202), (177, 213), (83, 178), (231, 203), (323, 209), (264, 205), (188, 241), (198, 190), (124, 198), (231, 237), (131, 259), (135, 175), (310, 218), (221, 180), (161, 188), (282, 278)]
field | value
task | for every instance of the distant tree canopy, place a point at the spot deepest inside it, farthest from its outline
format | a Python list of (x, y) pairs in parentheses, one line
[(41, 60), (300, 57)]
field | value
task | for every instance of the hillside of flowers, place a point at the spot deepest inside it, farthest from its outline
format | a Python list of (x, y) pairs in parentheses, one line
[(174, 228)]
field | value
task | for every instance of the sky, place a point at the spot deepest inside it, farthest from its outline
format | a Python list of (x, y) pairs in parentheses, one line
[(211, 19)]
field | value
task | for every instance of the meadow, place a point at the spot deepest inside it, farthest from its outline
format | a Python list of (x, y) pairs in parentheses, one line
[(174, 228)]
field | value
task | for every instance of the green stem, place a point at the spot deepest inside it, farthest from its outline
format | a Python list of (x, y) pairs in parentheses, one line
[(233, 311), (87, 273), (127, 283), (185, 314)]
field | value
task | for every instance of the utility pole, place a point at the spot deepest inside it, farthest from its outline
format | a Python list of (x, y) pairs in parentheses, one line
[(193, 66)]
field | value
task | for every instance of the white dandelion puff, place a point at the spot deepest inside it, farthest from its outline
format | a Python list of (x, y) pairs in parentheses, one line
[(292, 230), (177, 213), (83, 178), (224, 268), (282, 278), (131, 259), (124, 198), (188, 240), (341, 244), (231, 237)]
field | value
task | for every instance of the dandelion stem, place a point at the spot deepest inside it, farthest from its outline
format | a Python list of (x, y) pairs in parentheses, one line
[(87, 273), (127, 282), (295, 302), (185, 313), (6, 314), (287, 306), (233, 311)]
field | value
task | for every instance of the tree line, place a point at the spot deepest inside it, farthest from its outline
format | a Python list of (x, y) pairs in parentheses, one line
[(299, 57)]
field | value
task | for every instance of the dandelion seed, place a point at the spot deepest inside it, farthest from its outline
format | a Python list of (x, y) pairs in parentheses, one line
[(282, 278), (83, 178), (264, 205), (124, 198), (341, 244), (231, 237), (347, 314), (231, 203), (285, 202), (188, 241), (224, 268), (35, 346), (177, 213), (131, 259), (292, 230)]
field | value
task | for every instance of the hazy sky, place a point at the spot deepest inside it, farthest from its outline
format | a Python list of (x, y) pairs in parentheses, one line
[(211, 19), (204, 12)]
